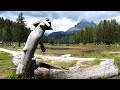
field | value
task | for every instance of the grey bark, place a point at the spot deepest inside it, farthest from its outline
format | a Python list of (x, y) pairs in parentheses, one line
[(104, 70), (29, 50), (33, 40)]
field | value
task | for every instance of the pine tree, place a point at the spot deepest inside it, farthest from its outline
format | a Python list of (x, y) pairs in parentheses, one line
[(21, 28)]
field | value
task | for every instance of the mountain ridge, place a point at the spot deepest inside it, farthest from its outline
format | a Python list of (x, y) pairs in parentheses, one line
[(79, 26)]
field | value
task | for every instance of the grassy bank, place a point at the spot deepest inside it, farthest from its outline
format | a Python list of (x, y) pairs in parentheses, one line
[(6, 66)]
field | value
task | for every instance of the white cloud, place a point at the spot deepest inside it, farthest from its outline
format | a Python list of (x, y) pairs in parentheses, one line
[(57, 24), (3, 16), (30, 20), (117, 18), (62, 24)]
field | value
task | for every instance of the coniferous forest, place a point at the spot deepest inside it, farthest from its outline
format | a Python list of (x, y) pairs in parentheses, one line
[(106, 32), (13, 31)]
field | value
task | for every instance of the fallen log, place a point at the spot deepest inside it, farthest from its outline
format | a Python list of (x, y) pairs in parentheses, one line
[(104, 70)]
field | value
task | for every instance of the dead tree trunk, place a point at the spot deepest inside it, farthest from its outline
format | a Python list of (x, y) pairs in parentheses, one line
[(29, 50), (31, 45)]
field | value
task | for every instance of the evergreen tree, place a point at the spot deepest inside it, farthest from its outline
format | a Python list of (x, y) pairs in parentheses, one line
[(21, 29)]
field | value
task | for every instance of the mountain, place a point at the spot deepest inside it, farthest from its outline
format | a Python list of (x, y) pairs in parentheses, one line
[(72, 30), (81, 25), (59, 34)]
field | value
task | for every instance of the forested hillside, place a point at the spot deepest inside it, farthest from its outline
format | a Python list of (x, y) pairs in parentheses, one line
[(106, 32)]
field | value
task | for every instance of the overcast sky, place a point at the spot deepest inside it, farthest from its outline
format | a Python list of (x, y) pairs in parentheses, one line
[(62, 20)]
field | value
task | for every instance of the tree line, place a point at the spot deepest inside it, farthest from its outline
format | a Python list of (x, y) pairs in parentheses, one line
[(13, 31), (106, 32)]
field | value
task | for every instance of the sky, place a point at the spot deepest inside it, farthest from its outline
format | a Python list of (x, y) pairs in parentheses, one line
[(61, 20)]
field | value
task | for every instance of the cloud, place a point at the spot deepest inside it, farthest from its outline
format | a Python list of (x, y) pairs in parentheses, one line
[(30, 20), (117, 18), (97, 16), (62, 24), (62, 20)]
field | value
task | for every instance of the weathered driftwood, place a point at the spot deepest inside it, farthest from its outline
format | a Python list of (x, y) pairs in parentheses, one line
[(31, 45), (104, 70)]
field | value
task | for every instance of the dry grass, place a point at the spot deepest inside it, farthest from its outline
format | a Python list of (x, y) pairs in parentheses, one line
[(60, 64), (86, 64), (77, 50)]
